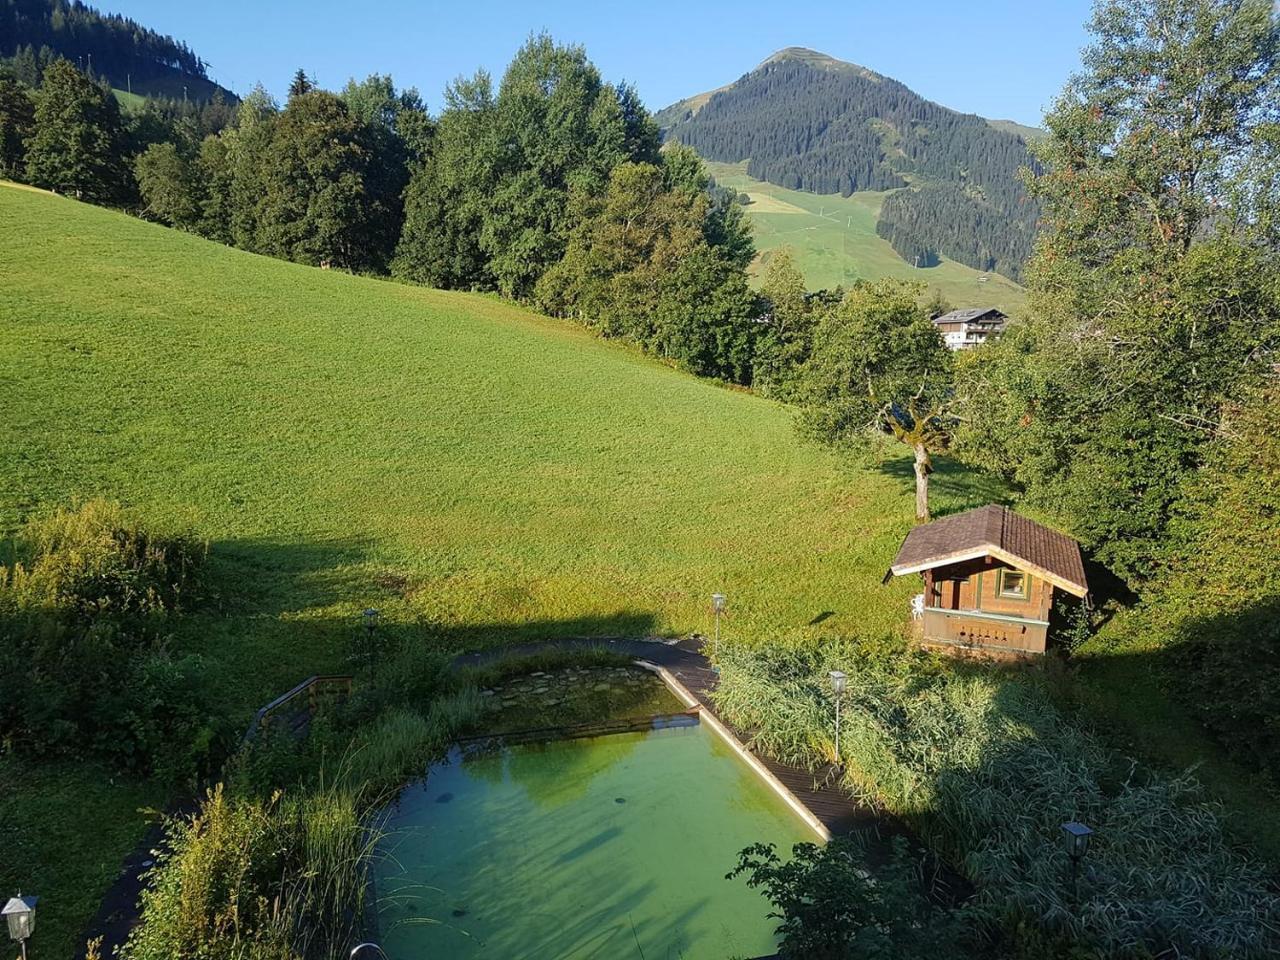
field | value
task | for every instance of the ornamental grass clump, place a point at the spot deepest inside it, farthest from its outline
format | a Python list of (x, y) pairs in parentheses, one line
[(981, 763)]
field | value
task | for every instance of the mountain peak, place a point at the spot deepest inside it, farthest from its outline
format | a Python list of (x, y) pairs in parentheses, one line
[(818, 60)]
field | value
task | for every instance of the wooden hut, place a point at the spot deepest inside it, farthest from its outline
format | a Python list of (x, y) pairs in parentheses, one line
[(989, 580)]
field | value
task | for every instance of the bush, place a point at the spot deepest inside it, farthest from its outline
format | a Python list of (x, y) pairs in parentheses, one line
[(83, 663), (275, 879), (981, 763), (1217, 606), (831, 908)]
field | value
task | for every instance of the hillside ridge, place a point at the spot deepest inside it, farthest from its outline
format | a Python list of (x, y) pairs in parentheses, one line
[(128, 55)]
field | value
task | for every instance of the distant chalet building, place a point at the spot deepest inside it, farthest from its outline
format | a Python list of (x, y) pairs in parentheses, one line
[(964, 329), (989, 576)]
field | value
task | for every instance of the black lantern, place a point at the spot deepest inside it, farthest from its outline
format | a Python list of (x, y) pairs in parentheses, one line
[(1077, 835)]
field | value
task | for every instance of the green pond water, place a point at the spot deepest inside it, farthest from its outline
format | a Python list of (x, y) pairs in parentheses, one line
[(608, 847)]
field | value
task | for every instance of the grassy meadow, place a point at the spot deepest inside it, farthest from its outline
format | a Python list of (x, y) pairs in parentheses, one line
[(834, 241), (479, 473)]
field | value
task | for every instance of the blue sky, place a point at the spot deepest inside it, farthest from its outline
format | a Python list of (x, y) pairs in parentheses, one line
[(998, 58)]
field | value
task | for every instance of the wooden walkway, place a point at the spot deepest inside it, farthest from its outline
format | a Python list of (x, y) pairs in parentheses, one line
[(817, 791)]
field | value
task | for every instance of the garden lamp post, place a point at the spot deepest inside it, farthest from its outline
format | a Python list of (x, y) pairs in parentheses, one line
[(717, 604), (20, 914), (1077, 836), (370, 628), (838, 679)]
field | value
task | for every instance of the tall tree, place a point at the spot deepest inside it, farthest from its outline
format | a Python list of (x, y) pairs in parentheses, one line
[(396, 132), (248, 148), (449, 191), (170, 184), (17, 118), (1151, 301), (300, 84), (557, 126), (315, 208), (879, 366), (638, 265), (786, 326), (78, 146)]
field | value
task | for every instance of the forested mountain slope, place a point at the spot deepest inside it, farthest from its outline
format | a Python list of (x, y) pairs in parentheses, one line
[(127, 54), (808, 122)]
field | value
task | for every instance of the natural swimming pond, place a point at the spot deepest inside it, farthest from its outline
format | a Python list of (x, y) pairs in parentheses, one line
[(606, 847)]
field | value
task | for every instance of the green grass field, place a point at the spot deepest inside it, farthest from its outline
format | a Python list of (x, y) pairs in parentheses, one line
[(478, 472), (834, 242), (129, 102)]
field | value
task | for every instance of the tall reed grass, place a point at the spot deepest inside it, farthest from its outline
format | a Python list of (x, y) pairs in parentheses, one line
[(981, 763), (284, 876)]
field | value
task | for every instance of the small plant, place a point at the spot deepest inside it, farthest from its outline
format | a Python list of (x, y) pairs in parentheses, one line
[(84, 665)]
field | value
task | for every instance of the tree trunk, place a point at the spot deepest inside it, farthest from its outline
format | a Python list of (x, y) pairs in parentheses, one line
[(924, 467)]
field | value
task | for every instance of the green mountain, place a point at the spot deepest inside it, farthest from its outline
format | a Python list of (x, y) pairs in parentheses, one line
[(806, 121), (112, 47)]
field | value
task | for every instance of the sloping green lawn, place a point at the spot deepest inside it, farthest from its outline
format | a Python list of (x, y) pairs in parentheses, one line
[(834, 241), (479, 473)]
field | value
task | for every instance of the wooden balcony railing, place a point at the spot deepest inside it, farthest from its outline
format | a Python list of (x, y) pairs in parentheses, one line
[(982, 630)]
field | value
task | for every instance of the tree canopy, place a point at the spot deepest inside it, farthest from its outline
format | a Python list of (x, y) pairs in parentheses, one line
[(1151, 303), (879, 365)]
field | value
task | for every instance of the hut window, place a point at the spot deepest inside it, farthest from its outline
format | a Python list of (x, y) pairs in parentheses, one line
[(1012, 584)]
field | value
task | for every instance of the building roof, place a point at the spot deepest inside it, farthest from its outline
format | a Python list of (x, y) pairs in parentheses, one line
[(997, 532), (970, 315)]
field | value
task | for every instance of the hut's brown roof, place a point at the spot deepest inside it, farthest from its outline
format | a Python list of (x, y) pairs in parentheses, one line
[(999, 532)]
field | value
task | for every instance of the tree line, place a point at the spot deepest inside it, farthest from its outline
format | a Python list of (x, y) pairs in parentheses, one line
[(549, 188), (843, 130)]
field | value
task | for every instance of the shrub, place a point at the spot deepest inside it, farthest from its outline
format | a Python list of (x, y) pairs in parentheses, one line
[(831, 908), (83, 664), (261, 879), (281, 874), (981, 763)]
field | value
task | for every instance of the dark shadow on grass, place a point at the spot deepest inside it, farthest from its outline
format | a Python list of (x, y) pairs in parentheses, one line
[(953, 486)]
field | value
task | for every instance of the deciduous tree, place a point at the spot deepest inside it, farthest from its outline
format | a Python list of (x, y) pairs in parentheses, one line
[(1151, 301), (879, 366), (170, 184)]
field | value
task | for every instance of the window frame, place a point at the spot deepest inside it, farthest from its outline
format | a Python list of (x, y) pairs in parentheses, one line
[(1003, 593)]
